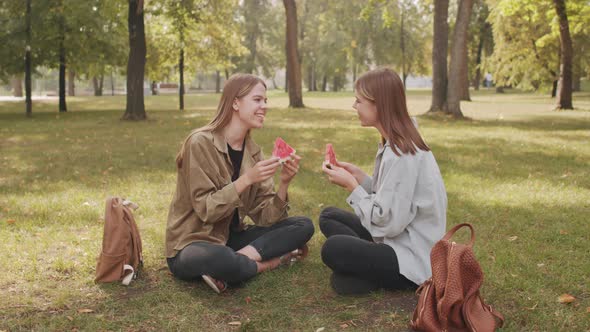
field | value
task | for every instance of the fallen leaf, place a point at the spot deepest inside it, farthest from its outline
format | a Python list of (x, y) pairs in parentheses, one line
[(563, 232), (10, 221), (344, 326), (70, 318), (85, 311), (566, 298), (540, 264), (513, 238), (588, 310), (320, 329), (236, 323), (248, 300)]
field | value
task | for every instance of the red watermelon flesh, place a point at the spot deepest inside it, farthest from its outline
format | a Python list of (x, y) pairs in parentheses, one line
[(282, 150), (330, 154)]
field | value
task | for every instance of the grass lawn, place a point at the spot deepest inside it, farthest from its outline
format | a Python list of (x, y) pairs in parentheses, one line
[(517, 170)]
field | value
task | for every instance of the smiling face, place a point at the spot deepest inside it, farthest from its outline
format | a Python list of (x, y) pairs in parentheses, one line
[(251, 109), (366, 110)]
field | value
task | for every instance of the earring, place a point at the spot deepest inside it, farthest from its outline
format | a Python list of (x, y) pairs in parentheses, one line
[(235, 107)]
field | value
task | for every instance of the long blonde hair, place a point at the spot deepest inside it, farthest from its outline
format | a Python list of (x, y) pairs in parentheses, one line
[(236, 87), (385, 89)]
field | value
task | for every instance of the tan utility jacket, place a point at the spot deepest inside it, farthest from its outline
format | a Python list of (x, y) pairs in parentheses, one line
[(206, 198)]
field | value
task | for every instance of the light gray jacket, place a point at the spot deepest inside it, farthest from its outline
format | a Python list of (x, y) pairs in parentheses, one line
[(404, 205)]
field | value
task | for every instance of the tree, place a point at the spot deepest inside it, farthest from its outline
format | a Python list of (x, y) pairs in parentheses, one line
[(28, 102), (439, 55), (135, 109), (481, 40), (293, 64), (527, 49), (564, 95), (458, 66), (187, 37), (62, 59)]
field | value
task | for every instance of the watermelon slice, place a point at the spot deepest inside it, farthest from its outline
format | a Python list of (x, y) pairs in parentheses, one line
[(330, 155), (282, 150)]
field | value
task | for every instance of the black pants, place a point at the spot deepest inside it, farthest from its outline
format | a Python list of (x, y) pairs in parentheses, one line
[(359, 264), (223, 263)]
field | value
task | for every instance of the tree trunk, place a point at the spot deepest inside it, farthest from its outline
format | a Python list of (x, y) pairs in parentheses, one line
[(217, 81), (135, 109), (315, 79), (309, 78), (62, 76), (28, 100), (458, 59), (181, 85), (293, 64), (354, 72), (564, 95), (477, 79), (324, 83), (97, 83), (403, 44), (17, 85), (439, 55), (286, 76), (226, 74), (71, 83), (577, 77), (112, 84), (62, 63), (465, 74)]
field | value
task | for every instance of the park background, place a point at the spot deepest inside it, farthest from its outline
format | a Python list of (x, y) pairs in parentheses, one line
[(97, 96)]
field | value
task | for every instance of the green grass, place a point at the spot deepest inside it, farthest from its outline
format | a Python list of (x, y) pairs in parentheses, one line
[(517, 170)]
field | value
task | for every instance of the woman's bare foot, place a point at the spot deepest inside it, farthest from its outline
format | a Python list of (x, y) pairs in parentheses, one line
[(286, 259)]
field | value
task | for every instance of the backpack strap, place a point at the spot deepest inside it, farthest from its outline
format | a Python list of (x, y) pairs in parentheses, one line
[(450, 233), (496, 314)]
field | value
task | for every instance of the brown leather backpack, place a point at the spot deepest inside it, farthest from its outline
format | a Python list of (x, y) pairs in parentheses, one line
[(450, 299), (121, 255)]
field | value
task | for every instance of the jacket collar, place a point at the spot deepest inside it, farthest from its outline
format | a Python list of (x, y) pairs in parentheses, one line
[(250, 147)]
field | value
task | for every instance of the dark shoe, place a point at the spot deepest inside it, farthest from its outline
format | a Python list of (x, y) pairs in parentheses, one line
[(349, 285)]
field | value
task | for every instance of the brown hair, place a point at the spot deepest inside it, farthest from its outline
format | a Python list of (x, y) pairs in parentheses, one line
[(384, 88), (236, 87)]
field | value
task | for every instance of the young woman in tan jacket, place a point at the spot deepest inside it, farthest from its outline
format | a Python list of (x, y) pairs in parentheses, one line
[(222, 177)]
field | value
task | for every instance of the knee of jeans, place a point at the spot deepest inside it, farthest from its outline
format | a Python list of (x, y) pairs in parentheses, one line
[(328, 213), (307, 227), (331, 250)]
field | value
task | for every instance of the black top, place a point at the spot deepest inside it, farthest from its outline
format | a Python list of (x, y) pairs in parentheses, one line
[(236, 160)]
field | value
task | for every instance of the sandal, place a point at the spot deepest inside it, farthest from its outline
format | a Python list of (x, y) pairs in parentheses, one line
[(217, 285)]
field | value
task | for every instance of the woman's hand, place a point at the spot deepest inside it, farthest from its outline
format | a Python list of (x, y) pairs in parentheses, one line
[(261, 171), (290, 169), (358, 174), (340, 176)]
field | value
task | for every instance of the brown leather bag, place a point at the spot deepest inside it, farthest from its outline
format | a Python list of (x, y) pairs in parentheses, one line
[(450, 299), (121, 254)]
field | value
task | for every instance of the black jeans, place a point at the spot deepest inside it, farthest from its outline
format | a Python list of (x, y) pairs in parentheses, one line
[(223, 263), (353, 256)]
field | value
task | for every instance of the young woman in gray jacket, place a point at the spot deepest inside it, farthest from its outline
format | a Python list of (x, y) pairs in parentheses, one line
[(399, 212)]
